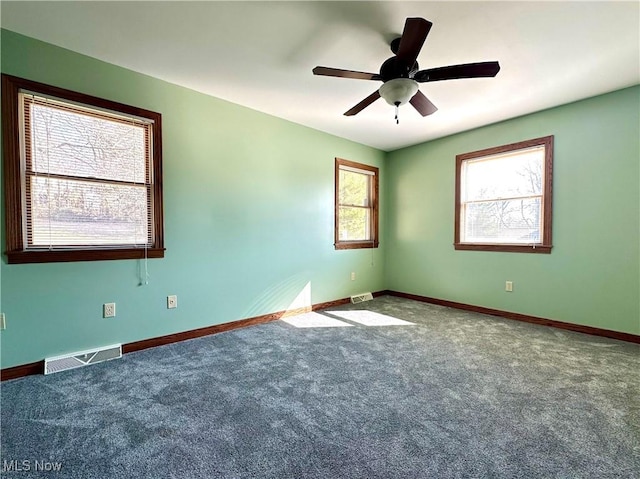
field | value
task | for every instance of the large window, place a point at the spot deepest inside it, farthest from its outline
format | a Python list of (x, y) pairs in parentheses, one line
[(356, 205), (503, 198), (83, 176)]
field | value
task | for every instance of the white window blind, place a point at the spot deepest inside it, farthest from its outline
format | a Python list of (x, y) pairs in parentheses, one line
[(87, 176)]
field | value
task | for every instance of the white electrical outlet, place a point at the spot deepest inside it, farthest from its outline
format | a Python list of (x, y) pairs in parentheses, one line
[(3, 322), (508, 286), (172, 301), (353, 276), (109, 310)]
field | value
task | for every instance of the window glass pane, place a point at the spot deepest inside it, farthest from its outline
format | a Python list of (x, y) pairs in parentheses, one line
[(507, 176), (504, 222), (354, 188), (354, 224), (75, 213), (78, 144)]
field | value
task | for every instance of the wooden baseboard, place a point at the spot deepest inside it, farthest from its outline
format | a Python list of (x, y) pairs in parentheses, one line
[(38, 367), (22, 370), (632, 338)]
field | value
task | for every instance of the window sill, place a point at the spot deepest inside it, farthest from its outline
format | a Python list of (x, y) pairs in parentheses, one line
[(64, 256), (356, 244), (506, 248)]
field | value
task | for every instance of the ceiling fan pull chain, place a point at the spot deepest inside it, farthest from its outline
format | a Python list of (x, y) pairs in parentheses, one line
[(397, 121)]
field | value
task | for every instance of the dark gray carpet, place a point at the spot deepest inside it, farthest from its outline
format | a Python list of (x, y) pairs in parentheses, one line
[(456, 395)]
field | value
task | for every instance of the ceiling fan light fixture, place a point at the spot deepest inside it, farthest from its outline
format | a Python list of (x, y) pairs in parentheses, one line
[(398, 91)]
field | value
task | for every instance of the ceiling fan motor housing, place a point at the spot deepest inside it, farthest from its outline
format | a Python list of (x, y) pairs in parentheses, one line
[(395, 68)]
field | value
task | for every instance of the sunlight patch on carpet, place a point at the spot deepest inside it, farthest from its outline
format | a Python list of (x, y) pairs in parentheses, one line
[(370, 318), (314, 320)]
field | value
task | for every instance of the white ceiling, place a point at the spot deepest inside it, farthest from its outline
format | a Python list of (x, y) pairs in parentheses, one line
[(260, 55)]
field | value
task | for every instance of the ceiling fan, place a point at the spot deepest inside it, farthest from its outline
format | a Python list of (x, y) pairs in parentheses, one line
[(400, 74)]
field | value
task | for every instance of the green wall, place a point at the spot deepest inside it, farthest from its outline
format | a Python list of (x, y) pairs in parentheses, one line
[(248, 221), (592, 276)]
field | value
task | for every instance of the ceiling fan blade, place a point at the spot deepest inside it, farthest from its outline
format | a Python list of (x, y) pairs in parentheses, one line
[(336, 72), (422, 104), (452, 72), (363, 104), (413, 37)]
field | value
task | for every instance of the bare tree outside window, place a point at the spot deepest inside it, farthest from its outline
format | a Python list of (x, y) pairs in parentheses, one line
[(503, 198), (72, 154)]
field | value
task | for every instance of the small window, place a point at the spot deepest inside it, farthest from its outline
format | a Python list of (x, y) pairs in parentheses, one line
[(503, 198), (83, 175), (356, 206)]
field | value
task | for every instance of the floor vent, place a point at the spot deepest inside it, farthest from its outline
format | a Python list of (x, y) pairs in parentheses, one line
[(360, 298), (82, 358)]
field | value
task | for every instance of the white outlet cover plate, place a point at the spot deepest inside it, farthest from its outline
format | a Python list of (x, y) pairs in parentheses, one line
[(172, 302), (109, 310)]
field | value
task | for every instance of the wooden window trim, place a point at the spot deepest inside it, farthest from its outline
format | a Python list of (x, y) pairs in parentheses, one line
[(15, 243), (546, 244), (372, 243)]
